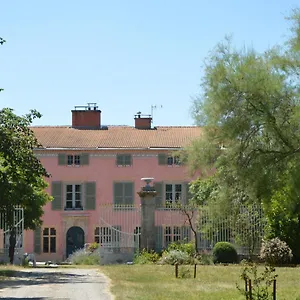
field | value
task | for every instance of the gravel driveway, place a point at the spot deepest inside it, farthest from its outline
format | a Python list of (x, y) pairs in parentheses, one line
[(50, 284)]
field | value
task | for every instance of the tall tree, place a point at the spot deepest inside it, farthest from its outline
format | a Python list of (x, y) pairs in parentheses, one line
[(21, 173), (250, 112)]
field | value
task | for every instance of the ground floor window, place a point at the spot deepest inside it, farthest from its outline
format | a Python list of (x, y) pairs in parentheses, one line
[(49, 240), (137, 237), (171, 234), (103, 235)]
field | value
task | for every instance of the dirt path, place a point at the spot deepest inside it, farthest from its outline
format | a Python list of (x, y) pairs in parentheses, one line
[(52, 284)]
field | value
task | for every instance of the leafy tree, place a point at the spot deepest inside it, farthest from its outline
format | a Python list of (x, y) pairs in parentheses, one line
[(21, 173), (250, 111)]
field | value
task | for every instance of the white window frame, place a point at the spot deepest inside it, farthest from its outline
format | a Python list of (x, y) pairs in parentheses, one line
[(75, 159), (103, 236), (73, 196), (173, 160), (171, 234), (174, 201), (123, 164)]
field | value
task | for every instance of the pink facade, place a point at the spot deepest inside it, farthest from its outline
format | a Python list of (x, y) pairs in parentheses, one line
[(103, 171)]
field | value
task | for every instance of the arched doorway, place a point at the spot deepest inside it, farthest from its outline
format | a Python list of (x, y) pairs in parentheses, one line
[(75, 239)]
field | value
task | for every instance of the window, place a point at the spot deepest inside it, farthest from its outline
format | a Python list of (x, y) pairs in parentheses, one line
[(173, 160), (73, 160), (49, 240), (108, 237), (173, 193), (124, 160), (80, 159), (73, 197), (137, 237), (103, 235), (170, 160), (171, 234), (123, 193)]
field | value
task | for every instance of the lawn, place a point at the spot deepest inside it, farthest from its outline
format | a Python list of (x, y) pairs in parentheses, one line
[(146, 282)]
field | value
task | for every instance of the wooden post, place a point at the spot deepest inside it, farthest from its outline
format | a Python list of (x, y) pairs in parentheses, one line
[(176, 270), (274, 289), (195, 270), (246, 289), (250, 290)]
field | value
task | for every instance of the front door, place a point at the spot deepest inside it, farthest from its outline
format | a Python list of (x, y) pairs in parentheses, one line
[(75, 239)]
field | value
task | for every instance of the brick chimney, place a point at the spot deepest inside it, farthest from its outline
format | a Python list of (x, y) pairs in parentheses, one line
[(142, 121), (88, 117)]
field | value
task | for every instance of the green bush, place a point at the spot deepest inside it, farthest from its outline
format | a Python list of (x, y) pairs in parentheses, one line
[(188, 248), (176, 256), (83, 257), (275, 252), (92, 247), (224, 252), (146, 257)]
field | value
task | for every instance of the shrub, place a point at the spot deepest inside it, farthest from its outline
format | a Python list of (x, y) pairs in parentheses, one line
[(176, 256), (189, 248), (83, 257), (92, 247), (224, 252), (205, 258), (146, 257), (275, 252)]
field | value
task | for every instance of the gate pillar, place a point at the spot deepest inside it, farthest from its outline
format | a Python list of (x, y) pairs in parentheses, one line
[(147, 195)]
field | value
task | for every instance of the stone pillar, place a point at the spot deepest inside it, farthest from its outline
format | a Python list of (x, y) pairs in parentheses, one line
[(147, 195)]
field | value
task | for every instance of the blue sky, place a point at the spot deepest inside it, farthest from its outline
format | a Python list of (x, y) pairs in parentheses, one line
[(125, 55)]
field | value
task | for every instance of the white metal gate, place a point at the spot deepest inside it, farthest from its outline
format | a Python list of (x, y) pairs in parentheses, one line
[(5, 232)]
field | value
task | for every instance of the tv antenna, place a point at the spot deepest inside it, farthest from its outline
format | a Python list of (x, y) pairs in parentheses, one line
[(153, 107)]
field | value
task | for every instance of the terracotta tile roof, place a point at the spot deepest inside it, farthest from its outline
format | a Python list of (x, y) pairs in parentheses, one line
[(116, 137)]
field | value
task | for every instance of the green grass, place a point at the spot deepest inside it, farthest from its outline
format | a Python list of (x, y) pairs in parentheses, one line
[(212, 283), (9, 271)]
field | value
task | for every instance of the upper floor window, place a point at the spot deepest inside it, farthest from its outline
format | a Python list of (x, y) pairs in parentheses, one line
[(124, 160), (170, 160), (123, 193), (173, 194), (73, 159), (49, 240), (73, 196)]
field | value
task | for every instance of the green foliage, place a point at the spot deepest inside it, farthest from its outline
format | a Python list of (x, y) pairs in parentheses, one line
[(21, 172), (173, 257), (249, 110), (224, 252), (205, 258), (276, 252), (283, 210), (92, 247), (261, 283), (184, 272), (146, 257), (188, 248), (83, 257)]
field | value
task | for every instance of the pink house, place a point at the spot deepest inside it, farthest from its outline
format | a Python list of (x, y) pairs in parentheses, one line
[(95, 167)]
